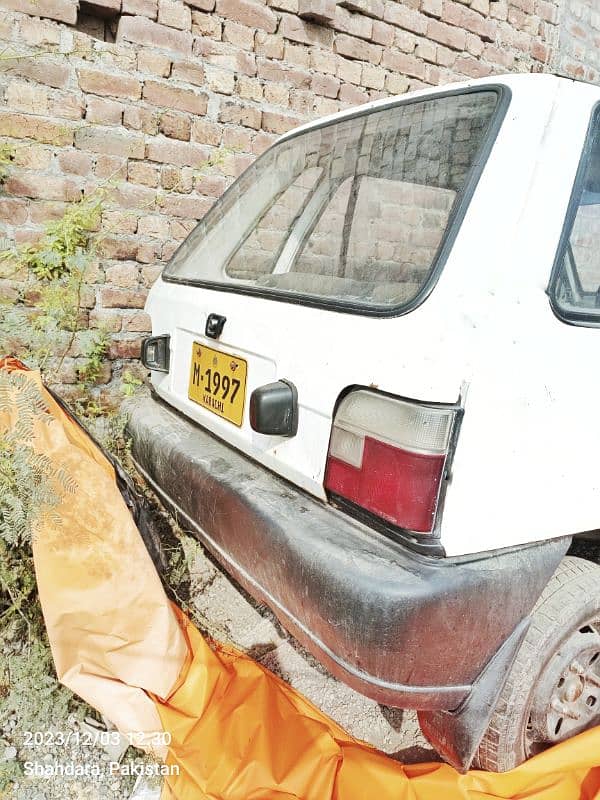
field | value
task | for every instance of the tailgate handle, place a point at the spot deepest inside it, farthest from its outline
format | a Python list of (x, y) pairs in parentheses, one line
[(214, 325), (274, 409)]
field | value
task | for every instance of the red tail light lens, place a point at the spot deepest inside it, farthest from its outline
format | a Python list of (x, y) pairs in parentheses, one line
[(388, 457)]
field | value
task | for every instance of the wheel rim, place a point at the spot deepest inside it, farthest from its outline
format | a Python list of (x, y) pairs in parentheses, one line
[(566, 700)]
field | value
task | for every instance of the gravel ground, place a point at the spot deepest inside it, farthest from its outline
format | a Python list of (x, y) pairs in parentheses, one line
[(221, 608)]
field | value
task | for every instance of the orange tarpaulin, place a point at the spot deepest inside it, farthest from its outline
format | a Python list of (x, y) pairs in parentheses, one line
[(238, 732)]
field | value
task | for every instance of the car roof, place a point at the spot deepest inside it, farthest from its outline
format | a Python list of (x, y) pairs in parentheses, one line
[(521, 82)]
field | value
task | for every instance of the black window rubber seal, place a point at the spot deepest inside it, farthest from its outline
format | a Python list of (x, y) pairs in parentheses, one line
[(461, 206), (587, 318)]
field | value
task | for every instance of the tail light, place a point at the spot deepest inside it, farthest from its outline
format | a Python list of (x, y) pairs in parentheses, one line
[(388, 456)]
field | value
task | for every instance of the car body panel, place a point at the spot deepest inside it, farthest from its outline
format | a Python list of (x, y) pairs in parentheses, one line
[(485, 337)]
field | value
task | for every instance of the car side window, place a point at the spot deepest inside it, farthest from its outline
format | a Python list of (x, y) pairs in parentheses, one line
[(575, 287)]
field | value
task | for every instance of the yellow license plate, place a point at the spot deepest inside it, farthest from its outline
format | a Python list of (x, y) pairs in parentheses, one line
[(218, 382)]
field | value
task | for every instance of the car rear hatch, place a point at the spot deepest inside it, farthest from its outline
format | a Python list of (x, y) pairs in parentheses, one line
[(308, 261)]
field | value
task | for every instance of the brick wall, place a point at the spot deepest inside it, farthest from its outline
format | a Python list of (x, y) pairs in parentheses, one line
[(139, 95), (578, 53)]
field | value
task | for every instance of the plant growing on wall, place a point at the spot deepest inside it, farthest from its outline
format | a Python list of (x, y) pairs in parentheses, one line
[(54, 268)]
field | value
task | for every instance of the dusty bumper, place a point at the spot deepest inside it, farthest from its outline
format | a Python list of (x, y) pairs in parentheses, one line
[(404, 629)]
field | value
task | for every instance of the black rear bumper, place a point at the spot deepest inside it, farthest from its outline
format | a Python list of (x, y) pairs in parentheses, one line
[(405, 629)]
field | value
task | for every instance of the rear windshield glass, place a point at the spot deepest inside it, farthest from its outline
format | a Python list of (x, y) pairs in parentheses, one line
[(351, 213)]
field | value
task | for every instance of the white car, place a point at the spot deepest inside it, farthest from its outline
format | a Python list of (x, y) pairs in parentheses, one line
[(377, 402)]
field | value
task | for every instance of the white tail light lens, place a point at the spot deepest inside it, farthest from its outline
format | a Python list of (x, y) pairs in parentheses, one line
[(388, 456)]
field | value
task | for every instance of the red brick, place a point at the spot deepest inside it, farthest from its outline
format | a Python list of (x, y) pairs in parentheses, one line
[(123, 298), (403, 63), (547, 11), (354, 24), (22, 126), (140, 172), (39, 32), (188, 71), (206, 132), (225, 55), (446, 34), (325, 85), (127, 348), (240, 114), (167, 96), (371, 8), (156, 227), (110, 142), (211, 185), (474, 46), (540, 52), (432, 8), (352, 95), (148, 252), (297, 30), (151, 274), (404, 17), (111, 168), (176, 126), (240, 35), (174, 14), (427, 50), (105, 319), (127, 195), (61, 10), (277, 94), (119, 248), (68, 105), (320, 11), (179, 180), (396, 84), (203, 5), (274, 72), (139, 322), (496, 55), (456, 14), (123, 275), (23, 96), (143, 31), (182, 154), (181, 228), (268, 45), (357, 49), (254, 15), (141, 119), (189, 207), (279, 123), (50, 72), (13, 211), (373, 77), (96, 81), (140, 8), (43, 187), (219, 80), (383, 33), (207, 25), (154, 63), (471, 67), (114, 222), (104, 112)]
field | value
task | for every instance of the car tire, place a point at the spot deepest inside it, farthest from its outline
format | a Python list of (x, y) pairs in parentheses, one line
[(553, 689)]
